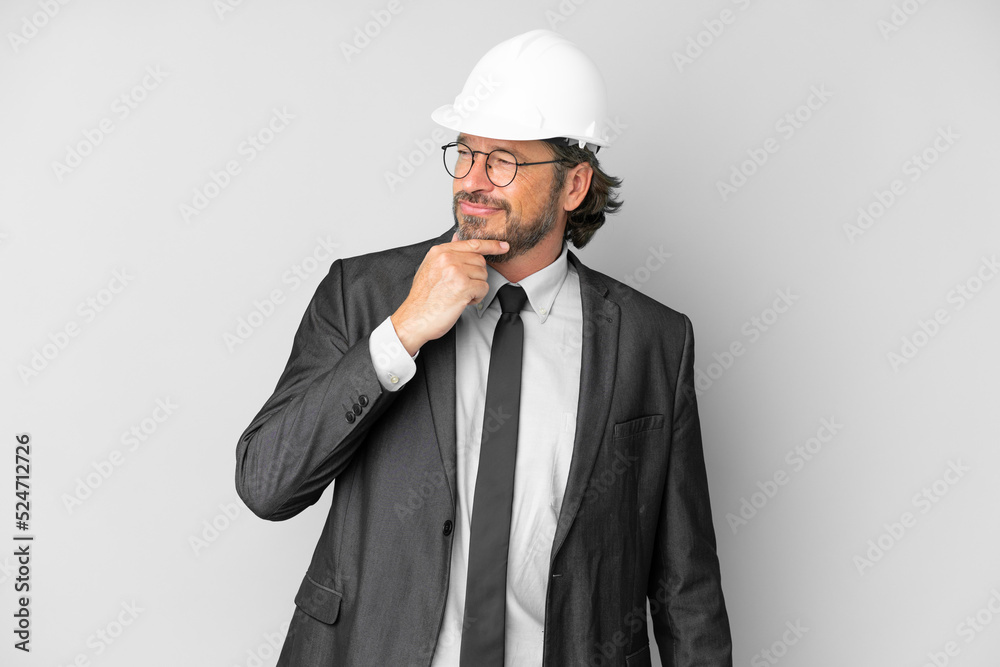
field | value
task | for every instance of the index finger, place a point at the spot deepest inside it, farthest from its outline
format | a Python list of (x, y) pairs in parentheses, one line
[(482, 246)]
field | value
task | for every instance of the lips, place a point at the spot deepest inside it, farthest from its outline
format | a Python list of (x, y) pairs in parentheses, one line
[(469, 208)]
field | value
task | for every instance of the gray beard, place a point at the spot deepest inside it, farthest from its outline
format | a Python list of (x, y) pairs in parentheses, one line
[(521, 236)]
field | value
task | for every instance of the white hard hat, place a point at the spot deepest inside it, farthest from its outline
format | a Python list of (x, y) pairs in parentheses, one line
[(538, 85)]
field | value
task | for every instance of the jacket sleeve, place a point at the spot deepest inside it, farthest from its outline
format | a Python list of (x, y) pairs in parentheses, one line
[(303, 438), (689, 617)]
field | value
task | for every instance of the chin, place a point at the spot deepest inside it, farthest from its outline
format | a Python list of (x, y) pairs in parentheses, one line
[(498, 259), (476, 228)]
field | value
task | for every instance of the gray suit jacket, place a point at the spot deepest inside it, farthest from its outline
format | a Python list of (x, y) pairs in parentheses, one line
[(635, 520)]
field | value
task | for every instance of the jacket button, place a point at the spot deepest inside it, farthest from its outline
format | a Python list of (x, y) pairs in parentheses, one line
[(363, 400), (349, 417), (357, 409), (447, 527)]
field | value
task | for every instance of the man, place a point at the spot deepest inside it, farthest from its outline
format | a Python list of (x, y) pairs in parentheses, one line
[(516, 475)]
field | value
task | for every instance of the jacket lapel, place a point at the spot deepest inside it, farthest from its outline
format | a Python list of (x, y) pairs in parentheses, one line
[(599, 357), (439, 372), (438, 369)]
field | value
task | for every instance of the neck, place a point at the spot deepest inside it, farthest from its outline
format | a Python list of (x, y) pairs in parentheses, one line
[(536, 259)]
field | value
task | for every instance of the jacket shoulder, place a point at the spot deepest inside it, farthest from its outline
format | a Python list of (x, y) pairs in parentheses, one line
[(638, 310), (388, 261)]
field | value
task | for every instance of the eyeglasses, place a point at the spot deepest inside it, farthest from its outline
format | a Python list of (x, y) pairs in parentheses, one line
[(501, 165)]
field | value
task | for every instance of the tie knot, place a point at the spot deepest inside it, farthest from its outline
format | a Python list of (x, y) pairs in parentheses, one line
[(512, 298)]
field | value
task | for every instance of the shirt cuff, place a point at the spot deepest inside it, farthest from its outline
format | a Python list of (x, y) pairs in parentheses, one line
[(393, 365)]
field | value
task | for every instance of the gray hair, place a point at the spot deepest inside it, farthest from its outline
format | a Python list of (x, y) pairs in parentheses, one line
[(600, 201)]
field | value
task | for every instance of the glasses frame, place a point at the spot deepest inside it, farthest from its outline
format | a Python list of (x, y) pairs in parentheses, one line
[(472, 165)]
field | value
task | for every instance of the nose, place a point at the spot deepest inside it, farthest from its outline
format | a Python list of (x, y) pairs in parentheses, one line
[(476, 180)]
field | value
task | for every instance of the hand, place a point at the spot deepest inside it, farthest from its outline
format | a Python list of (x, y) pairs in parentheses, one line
[(451, 276)]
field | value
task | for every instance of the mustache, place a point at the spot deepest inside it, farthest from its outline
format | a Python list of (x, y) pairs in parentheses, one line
[(480, 200)]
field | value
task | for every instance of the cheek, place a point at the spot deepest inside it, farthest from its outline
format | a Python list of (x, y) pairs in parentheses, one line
[(525, 201), (532, 204), (536, 198)]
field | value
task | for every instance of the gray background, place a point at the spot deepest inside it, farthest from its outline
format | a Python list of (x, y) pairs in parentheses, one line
[(682, 130)]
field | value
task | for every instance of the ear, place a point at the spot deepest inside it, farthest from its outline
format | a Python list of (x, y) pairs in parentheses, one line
[(577, 185)]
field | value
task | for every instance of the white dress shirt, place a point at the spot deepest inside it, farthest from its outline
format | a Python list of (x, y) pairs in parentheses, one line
[(550, 388)]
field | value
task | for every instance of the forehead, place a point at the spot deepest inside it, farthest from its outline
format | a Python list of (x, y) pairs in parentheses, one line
[(518, 148)]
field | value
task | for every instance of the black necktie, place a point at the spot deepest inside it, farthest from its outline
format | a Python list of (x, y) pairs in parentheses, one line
[(486, 589)]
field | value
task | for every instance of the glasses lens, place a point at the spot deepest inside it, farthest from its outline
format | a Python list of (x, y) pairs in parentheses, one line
[(502, 166), (458, 160)]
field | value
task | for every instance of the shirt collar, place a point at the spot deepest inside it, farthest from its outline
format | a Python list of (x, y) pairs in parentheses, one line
[(541, 287)]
